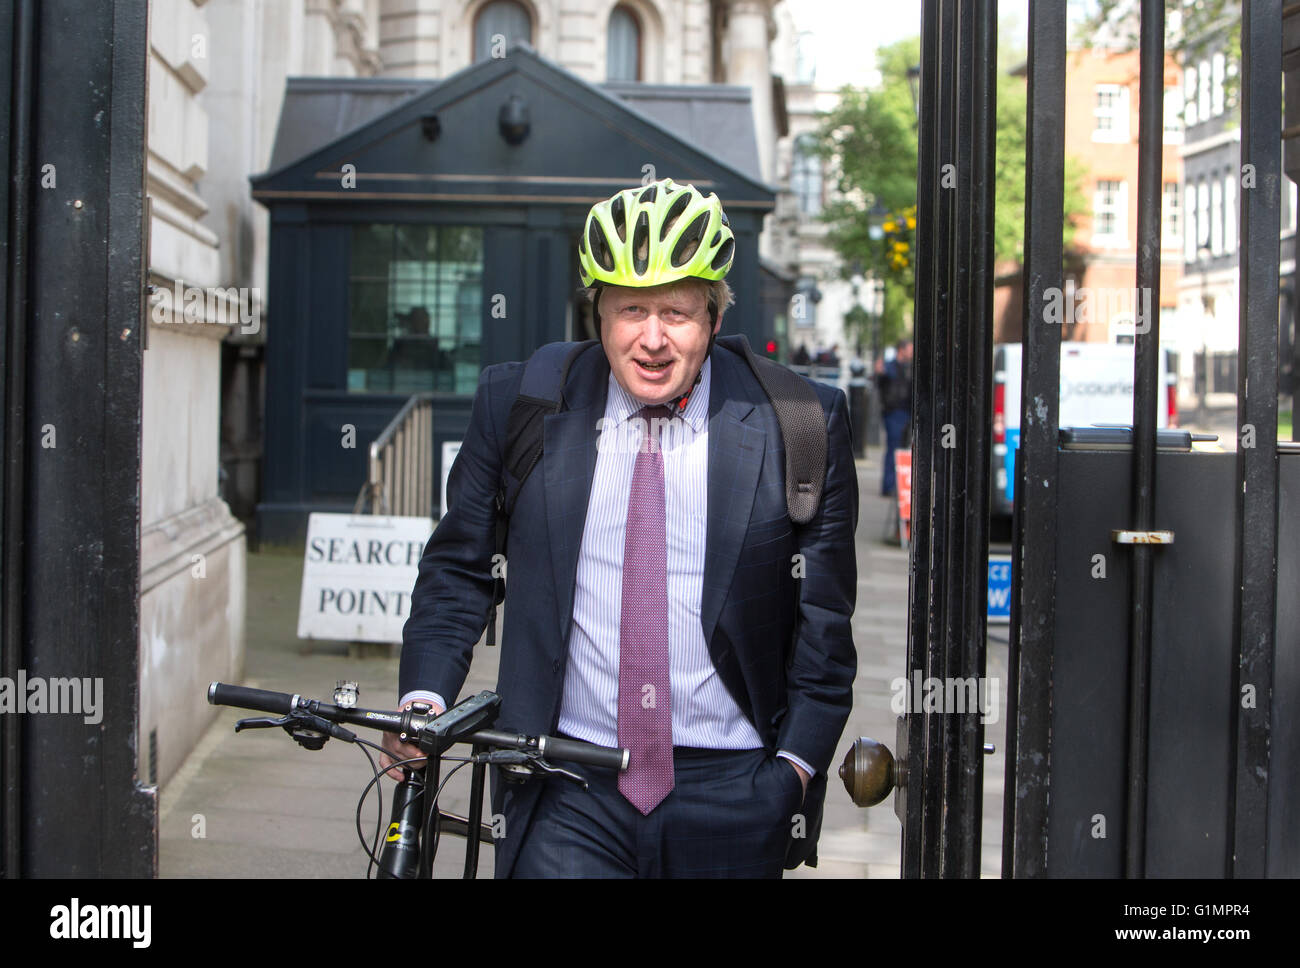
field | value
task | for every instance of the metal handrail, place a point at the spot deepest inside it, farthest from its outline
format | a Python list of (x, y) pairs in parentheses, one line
[(400, 476)]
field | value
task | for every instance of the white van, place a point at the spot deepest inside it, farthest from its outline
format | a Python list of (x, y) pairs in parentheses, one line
[(1096, 388)]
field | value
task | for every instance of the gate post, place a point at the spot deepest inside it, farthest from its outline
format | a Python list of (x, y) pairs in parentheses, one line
[(73, 323), (1255, 606)]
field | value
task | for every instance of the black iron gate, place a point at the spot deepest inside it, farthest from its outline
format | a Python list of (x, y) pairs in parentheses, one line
[(1153, 662)]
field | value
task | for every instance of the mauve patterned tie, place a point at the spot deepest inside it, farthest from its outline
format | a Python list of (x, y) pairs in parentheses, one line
[(645, 719)]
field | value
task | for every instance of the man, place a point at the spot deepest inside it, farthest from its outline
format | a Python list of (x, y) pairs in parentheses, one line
[(894, 384), (659, 597)]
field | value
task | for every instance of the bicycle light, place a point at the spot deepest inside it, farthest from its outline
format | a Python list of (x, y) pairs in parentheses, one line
[(345, 694)]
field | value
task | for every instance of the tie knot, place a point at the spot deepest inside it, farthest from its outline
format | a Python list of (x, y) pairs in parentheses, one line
[(661, 411), (654, 419)]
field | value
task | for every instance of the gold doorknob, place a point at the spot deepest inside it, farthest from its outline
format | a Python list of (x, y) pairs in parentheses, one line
[(868, 771)]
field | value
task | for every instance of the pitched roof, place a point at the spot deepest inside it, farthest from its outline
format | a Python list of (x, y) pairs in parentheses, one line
[(698, 131)]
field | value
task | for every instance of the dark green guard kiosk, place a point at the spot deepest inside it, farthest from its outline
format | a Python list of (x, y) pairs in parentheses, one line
[(422, 230)]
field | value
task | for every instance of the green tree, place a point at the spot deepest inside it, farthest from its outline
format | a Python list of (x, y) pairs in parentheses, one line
[(870, 143), (1192, 30)]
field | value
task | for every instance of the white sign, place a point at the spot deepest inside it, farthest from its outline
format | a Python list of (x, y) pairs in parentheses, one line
[(357, 576), (450, 448)]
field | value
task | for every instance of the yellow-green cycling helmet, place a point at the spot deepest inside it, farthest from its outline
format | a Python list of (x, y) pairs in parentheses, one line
[(655, 234)]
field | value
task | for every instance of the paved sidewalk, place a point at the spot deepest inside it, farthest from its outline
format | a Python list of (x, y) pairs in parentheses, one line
[(257, 805)]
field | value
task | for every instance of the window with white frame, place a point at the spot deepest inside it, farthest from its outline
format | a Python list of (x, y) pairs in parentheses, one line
[(1110, 113), (1202, 216), (1189, 96), (1216, 94), (1173, 115), (1216, 218), (1203, 90), (1191, 228), (1109, 213), (1230, 213), (806, 175), (1171, 211)]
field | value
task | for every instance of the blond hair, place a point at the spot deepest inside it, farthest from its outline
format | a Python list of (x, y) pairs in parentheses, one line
[(717, 292)]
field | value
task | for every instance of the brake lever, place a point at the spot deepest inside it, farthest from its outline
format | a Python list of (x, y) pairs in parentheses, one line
[(542, 766), (308, 731), (258, 722)]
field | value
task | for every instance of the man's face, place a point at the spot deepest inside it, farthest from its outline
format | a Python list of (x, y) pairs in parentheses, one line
[(905, 353), (656, 337)]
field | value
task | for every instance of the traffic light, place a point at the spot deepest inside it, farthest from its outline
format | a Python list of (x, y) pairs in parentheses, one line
[(771, 348)]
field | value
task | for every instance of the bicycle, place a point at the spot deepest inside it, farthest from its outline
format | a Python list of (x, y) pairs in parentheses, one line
[(416, 823)]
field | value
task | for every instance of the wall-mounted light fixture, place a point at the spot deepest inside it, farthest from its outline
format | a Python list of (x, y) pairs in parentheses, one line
[(430, 127), (512, 121)]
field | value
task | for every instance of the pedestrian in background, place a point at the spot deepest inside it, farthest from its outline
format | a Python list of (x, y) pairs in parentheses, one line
[(894, 388)]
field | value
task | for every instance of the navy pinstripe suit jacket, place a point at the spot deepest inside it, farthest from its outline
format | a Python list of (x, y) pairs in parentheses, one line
[(782, 646)]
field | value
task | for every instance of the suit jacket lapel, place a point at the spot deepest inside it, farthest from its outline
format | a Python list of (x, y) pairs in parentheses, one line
[(736, 449), (569, 463)]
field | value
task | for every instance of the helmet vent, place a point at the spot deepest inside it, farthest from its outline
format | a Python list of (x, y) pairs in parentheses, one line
[(674, 212), (619, 211), (600, 247), (724, 254), (690, 240), (641, 244), (649, 195)]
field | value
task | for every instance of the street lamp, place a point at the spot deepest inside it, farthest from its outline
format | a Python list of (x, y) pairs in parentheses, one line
[(855, 283), (876, 216), (914, 85)]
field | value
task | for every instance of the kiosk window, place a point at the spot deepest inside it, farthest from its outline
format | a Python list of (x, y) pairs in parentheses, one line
[(415, 313)]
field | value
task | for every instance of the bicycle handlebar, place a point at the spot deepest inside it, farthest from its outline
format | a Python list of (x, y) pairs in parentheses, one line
[(263, 700)]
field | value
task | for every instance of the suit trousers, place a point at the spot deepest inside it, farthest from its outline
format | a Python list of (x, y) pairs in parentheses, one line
[(730, 814)]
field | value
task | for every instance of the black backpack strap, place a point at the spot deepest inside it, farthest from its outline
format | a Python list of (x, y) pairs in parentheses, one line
[(541, 391), (803, 428)]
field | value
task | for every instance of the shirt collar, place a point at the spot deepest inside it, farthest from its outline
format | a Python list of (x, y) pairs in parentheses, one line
[(621, 405)]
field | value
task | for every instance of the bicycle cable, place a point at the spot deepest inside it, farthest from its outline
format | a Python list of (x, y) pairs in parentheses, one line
[(379, 821), (379, 817)]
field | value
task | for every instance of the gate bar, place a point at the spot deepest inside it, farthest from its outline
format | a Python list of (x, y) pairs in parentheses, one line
[(977, 384), (1146, 374), (919, 576), (950, 460), (18, 136), (1033, 615), (1255, 592), (940, 494)]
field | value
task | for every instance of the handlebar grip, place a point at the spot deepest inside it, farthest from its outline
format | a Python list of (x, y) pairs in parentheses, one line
[(221, 694), (577, 751)]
